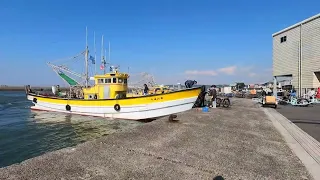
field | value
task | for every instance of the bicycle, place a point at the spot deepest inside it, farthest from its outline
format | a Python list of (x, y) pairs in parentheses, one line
[(225, 102)]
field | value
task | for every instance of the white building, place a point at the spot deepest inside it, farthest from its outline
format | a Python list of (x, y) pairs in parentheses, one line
[(296, 54)]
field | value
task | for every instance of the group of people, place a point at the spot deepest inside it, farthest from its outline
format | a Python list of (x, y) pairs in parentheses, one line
[(212, 93), (313, 94), (189, 84)]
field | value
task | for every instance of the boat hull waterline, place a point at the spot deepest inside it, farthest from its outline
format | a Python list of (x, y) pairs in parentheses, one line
[(135, 108)]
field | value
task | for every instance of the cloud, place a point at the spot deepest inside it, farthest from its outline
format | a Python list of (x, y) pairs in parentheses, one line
[(229, 74), (206, 73), (228, 70), (260, 75), (248, 71), (252, 74), (244, 69)]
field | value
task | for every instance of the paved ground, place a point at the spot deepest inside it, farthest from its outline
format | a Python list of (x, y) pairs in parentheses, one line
[(307, 118), (238, 143)]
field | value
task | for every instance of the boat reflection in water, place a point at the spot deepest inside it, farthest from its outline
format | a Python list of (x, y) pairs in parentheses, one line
[(81, 128)]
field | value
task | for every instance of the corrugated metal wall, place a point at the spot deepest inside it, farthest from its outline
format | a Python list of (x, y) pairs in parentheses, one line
[(310, 61), (286, 54)]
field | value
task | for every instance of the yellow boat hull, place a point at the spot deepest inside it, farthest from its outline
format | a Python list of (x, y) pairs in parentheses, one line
[(135, 108)]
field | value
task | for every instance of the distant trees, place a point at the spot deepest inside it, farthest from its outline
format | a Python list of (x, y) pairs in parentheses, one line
[(240, 85)]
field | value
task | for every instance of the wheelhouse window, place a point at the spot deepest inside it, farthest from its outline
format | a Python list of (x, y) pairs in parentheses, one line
[(114, 80), (107, 80), (100, 81), (125, 81), (283, 39), (120, 80)]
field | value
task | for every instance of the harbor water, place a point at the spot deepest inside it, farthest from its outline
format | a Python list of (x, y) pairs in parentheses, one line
[(25, 133)]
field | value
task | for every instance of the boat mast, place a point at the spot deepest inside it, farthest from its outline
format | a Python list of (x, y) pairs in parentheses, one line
[(95, 53), (86, 58), (109, 54), (105, 52), (102, 57)]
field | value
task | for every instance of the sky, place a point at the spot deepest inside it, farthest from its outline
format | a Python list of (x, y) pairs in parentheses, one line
[(211, 41)]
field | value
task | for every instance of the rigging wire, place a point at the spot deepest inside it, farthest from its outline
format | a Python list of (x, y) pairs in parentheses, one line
[(69, 58)]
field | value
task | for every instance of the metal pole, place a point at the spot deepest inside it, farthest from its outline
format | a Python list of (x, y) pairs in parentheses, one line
[(300, 62), (275, 92), (102, 57), (95, 53), (109, 53), (86, 58), (105, 62)]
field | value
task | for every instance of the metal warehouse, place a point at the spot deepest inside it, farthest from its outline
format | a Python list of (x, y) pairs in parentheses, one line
[(296, 54)]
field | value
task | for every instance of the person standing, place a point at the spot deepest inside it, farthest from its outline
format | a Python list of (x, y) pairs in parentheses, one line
[(212, 94), (311, 93), (286, 95), (318, 93), (263, 93), (146, 89), (293, 93)]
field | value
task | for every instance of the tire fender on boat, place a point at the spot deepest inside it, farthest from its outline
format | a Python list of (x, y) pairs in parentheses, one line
[(68, 107), (117, 107), (35, 100), (95, 96)]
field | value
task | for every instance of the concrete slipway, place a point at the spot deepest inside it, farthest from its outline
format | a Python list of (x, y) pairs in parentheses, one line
[(236, 143)]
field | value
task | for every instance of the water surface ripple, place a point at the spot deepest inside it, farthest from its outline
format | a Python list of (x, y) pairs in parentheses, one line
[(25, 133)]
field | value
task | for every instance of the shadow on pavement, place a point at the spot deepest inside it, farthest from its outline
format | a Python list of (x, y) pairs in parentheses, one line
[(218, 178), (305, 122)]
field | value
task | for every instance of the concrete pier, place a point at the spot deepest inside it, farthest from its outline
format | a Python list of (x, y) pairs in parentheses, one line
[(236, 143)]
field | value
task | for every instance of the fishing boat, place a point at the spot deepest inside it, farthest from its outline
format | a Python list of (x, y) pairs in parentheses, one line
[(107, 96)]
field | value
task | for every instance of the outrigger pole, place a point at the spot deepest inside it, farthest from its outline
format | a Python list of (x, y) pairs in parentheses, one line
[(65, 69)]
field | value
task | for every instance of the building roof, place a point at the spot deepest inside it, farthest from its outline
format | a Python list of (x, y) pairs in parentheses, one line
[(297, 24)]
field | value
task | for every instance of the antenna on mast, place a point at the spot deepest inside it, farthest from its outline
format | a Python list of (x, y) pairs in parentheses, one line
[(109, 54), (105, 52), (86, 57)]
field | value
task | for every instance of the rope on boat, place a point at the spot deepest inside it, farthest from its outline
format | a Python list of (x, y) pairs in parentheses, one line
[(69, 58)]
